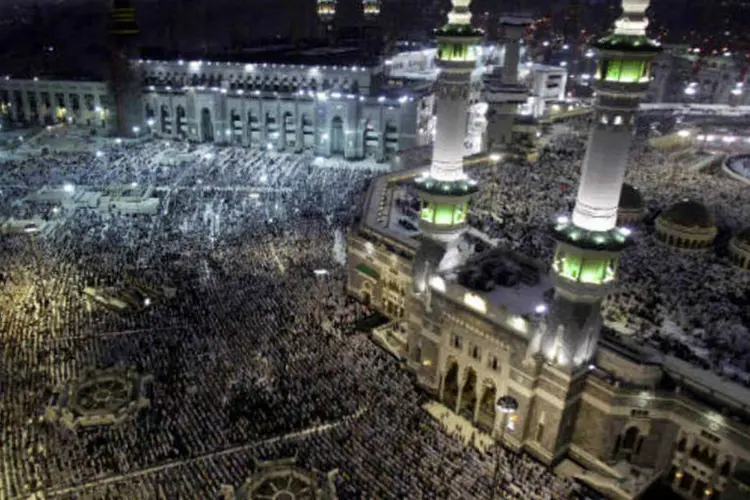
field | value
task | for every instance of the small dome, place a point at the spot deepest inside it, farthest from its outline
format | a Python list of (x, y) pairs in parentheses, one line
[(630, 198), (689, 213)]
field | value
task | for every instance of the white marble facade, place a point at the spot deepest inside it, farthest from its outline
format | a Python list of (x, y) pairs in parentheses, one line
[(327, 110)]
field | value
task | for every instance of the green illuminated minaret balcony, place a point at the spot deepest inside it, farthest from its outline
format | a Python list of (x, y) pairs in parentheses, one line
[(585, 262), (625, 58), (445, 204), (458, 40)]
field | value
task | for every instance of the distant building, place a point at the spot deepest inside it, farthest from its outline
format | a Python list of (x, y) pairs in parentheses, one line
[(684, 74), (317, 100)]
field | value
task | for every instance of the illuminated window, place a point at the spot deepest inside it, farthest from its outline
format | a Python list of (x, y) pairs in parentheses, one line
[(592, 271), (618, 120), (604, 119), (571, 267)]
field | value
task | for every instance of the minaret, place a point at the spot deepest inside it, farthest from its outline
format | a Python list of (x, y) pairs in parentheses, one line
[(502, 91), (445, 190), (326, 10), (125, 83), (371, 9), (588, 246)]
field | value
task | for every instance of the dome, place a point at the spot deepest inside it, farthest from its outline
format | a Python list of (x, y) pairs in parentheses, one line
[(689, 214), (630, 198)]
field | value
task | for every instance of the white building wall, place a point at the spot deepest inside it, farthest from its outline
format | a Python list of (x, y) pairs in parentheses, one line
[(273, 106)]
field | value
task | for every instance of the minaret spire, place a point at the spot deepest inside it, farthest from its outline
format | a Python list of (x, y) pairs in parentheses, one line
[(446, 189), (622, 78), (584, 268), (125, 82)]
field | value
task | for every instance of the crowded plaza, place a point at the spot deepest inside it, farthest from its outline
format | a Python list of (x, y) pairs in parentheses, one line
[(158, 353), (684, 302)]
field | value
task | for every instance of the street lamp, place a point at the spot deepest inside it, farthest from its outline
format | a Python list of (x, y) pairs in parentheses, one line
[(506, 405)]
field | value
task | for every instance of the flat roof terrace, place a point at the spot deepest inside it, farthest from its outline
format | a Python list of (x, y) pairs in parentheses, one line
[(275, 54)]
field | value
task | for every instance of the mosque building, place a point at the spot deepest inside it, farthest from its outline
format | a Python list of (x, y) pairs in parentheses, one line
[(329, 101), (479, 325)]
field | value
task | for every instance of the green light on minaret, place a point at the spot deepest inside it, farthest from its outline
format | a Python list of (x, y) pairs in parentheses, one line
[(443, 214), (624, 70), (457, 40)]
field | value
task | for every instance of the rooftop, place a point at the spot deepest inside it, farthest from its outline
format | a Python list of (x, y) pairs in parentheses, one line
[(509, 285), (628, 43), (281, 54)]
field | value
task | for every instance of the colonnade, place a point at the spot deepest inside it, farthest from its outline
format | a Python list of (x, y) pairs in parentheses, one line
[(31, 103), (468, 398), (346, 128)]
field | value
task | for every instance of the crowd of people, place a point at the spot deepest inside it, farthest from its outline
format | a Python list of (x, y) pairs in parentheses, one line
[(260, 340), (701, 297)]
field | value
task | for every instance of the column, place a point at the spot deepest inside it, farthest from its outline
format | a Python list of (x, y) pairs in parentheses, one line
[(262, 121), (460, 393), (26, 106), (300, 144), (244, 117), (39, 104), (478, 403)]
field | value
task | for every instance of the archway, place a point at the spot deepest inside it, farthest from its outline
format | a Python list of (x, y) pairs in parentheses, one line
[(150, 113), (629, 443), (337, 136), (450, 385), (390, 138), (236, 125), (165, 124), (253, 123), (207, 127), (469, 395), (486, 417), (370, 139), (272, 128), (90, 106), (308, 133), (181, 122), (290, 137)]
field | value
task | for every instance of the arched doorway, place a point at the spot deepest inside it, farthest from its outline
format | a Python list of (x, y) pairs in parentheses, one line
[(626, 443), (370, 140), (630, 438), (469, 395), (236, 122), (486, 417), (253, 124), (272, 128), (150, 113), (308, 132), (181, 122), (390, 133), (207, 127), (164, 118), (290, 137), (450, 385), (337, 136)]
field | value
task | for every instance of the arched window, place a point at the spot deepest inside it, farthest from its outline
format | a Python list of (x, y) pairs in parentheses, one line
[(630, 438)]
